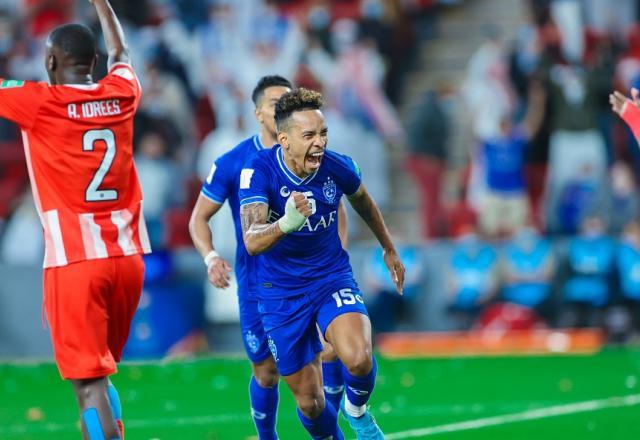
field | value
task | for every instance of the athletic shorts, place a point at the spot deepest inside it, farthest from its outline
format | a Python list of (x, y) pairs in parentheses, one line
[(290, 323), (253, 334), (89, 307)]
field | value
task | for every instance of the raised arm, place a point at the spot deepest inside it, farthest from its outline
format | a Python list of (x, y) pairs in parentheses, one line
[(113, 35), (366, 207), (260, 235), (218, 268), (535, 109)]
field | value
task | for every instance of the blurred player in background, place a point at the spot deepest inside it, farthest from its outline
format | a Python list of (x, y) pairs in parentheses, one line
[(289, 199), (78, 141), (223, 184)]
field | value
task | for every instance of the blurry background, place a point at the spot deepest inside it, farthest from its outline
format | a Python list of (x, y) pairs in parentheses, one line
[(482, 129)]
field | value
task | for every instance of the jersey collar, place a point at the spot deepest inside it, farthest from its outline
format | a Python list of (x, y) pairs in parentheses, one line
[(257, 143), (290, 174), (82, 86)]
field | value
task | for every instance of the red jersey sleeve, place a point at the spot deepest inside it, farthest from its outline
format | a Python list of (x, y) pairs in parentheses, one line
[(20, 101), (123, 77)]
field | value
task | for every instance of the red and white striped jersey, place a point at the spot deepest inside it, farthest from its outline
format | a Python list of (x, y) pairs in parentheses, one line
[(78, 141)]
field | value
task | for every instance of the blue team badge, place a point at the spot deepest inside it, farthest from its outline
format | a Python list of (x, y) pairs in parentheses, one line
[(252, 342), (273, 348), (329, 190), (284, 192)]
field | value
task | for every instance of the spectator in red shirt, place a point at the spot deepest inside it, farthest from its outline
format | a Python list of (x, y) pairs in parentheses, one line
[(44, 15)]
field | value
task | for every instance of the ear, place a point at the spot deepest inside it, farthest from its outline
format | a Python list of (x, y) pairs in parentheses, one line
[(282, 139), (94, 63), (52, 63), (258, 114)]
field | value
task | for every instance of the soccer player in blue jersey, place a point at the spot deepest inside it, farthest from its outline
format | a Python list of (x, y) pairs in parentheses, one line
[(289, 199), (222, 184)]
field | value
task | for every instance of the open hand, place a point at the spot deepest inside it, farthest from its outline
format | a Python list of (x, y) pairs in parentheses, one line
[(218, 272), (618, 102), (396, 269)]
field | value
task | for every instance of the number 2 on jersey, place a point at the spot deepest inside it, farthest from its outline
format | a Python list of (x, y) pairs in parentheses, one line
[(93, 193)]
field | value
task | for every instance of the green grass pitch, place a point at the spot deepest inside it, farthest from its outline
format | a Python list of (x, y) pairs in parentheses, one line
[(542, 398)]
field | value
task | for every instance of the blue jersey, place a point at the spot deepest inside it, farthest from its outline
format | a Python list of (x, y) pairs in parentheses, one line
[(314, 252), (472, 265), (222, 184), (529, 261), (629, 270), (591, 261), (504, 162)]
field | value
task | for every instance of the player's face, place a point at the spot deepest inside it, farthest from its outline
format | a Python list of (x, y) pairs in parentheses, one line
[(305, 140), (266, 108)]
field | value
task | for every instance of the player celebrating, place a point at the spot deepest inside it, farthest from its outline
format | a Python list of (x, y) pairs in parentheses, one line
[(78, 138), (223, 183), (289, 198)]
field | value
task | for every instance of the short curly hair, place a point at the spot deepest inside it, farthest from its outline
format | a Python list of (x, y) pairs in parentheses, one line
[(297, 100)]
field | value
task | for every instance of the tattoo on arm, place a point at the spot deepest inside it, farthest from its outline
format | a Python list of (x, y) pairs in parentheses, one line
[(254, 220), (253, 214)]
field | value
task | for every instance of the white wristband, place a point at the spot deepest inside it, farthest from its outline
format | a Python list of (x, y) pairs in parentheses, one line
[(209, 258)]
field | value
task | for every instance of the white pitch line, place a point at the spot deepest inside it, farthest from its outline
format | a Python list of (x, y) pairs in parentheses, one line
[(211, 420), (532, 414)]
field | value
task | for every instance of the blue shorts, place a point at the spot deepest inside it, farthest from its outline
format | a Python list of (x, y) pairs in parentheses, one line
[(253, 334), (290, 323)]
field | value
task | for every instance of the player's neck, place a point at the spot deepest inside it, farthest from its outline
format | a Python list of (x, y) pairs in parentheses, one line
[(75, 78), (267, 139), (291, 165)]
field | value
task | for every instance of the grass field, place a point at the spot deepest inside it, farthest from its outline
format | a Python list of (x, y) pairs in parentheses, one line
[(544, 397)]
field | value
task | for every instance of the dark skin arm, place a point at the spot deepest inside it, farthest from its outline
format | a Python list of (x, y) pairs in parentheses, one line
[(535, 109), (113, 35), (366, 207), (218, 270)]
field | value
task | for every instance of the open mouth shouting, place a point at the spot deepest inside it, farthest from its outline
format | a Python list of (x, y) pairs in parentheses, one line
[(313, 159)]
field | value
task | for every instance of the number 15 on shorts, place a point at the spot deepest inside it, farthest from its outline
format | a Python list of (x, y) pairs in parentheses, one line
[(346, 297)]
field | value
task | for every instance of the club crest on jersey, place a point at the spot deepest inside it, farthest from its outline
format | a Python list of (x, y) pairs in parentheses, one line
[(252, 342), (285, 192), (329, 190)]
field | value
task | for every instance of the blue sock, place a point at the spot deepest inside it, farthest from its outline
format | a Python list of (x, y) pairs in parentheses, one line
[(333, 382), (92, 424), (264, 407), (114, 401), (324, 426), (359, 389)]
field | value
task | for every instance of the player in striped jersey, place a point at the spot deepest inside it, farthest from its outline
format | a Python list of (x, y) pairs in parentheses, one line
[(78, 140)]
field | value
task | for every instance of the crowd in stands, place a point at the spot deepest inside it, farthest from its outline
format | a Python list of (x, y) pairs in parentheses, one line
[(547, 205), (542, 213), (198, 61)]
